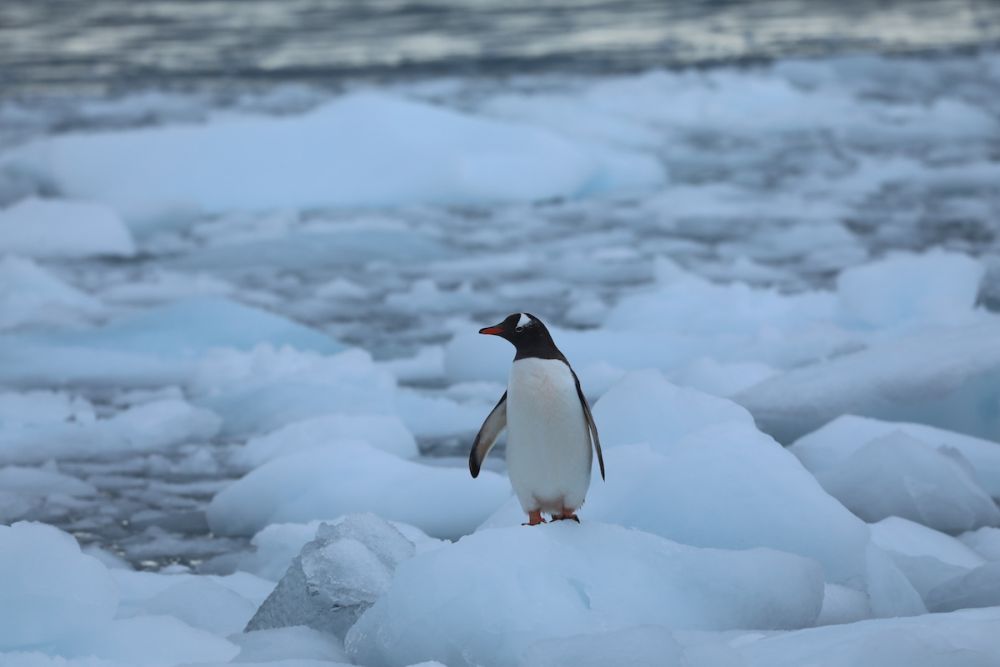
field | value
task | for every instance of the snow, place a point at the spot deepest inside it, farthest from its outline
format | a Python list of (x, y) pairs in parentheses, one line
[(54, 228), (484, 599), (985, 541), (355, 477), (361, 149)]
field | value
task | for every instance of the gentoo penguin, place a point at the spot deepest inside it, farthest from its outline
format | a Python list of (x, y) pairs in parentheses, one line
[(550, 428)]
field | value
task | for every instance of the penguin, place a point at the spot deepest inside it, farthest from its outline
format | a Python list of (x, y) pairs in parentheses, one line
[(550, 427)]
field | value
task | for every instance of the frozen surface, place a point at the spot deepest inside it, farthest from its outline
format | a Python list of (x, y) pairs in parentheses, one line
[(486, 598)]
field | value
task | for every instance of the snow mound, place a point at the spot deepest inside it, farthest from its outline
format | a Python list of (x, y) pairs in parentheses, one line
[(326, 483), (910, 289), (31, 296), (50, 591), (363, 149), (486, 598), (385, 432), (947, 378), (985, 542), (830, 445), (63, 229), (640, 646), (899, 475), (336, 577)]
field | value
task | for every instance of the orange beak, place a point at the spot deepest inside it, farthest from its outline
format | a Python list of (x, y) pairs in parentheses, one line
[(492, 331)]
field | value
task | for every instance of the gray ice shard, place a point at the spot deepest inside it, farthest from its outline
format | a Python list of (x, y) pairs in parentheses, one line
[(335, 577)]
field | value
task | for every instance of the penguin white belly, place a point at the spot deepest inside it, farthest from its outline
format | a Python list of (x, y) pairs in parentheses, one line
[(548, 446)]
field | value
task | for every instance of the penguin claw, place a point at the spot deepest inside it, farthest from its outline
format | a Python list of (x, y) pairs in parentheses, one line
[(568, 516)]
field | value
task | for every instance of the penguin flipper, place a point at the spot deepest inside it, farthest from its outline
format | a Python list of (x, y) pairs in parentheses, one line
[(591, 426), (495, 423)]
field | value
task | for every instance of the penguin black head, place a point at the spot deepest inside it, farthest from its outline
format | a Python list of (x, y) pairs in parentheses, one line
[(528, 334)]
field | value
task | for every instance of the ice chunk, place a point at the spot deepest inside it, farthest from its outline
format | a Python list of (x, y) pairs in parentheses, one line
[(159, 424), (909, 289), (384, 432), (277, 545), (890, 593), (292, 643), (843, 605), (485, 599), (353, 151), (985, 541), (927, 557), (830, 445), (978, 588), (31, 296), (898, 475), (960, 639), (643, 407), (201, 603), (157, 346), (51, 592), (336, 577), (640, 646), (153, 641), (326, 483), (947, 378), (61, 228), (267, 388)]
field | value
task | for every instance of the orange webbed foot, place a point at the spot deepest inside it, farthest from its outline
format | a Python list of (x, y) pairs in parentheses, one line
[(534, 518)]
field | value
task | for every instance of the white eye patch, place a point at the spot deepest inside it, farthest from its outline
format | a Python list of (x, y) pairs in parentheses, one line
[(524, 321)]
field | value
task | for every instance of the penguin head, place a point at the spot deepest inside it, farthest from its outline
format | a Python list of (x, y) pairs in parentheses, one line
[(524, 331)]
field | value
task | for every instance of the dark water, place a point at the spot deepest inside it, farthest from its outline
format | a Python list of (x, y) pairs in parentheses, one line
[(121, 44)]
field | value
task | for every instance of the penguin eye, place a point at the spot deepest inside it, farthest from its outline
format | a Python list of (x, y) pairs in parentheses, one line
[(519, 329)]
